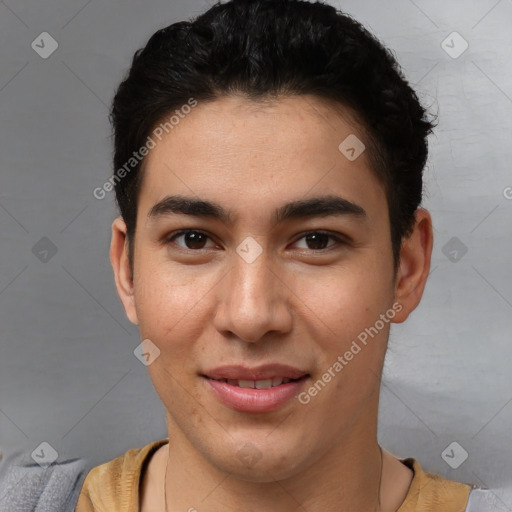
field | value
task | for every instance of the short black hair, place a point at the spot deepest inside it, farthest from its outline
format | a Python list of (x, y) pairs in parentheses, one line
[(265, 49)]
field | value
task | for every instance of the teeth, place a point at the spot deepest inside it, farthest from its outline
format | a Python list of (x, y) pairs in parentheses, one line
[(264, 384), (247, 383), (257, 384)]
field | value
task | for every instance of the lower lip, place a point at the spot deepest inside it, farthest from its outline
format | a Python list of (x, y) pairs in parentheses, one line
[(255, 400)]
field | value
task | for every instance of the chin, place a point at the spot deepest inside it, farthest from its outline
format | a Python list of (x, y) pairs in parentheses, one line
[(261, 463)]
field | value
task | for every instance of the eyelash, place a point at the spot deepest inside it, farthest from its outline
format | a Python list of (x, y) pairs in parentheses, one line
[(170, 239)]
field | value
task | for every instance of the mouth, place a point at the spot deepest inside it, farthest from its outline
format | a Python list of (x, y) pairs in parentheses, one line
[(258, 384), (263, 389), (265, 372)]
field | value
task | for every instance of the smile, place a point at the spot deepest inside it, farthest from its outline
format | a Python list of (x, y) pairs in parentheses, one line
[(257, 384), (255, 396)]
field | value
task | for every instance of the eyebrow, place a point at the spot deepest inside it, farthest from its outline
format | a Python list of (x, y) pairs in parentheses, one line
[(329, 205)]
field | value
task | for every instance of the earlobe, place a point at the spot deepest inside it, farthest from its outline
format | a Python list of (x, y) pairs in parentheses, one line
[(121, 267), (414, 265)]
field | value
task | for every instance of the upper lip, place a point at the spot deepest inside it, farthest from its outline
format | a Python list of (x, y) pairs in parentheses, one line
[(263, 372)]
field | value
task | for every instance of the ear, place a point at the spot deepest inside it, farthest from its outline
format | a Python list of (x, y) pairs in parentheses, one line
[(414, 265), (121, 267)]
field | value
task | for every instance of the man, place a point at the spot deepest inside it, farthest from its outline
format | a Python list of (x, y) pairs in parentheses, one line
[(268, 169)]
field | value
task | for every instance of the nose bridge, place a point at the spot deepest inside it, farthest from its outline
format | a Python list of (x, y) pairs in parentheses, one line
[(252, 301), (251, 288)]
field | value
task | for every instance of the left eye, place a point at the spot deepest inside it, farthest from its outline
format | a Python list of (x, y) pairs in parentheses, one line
[(319, 238), (196, 240)]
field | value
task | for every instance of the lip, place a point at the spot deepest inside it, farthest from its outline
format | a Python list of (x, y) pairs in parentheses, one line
[(255, 400), (262, 372)]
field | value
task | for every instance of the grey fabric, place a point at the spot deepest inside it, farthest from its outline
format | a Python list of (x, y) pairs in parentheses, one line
[(25, 486), (485, 500)]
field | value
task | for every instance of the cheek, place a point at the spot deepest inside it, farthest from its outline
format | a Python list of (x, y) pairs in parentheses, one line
[(343, 308), (170, 310), (163, 303), (343, 301)]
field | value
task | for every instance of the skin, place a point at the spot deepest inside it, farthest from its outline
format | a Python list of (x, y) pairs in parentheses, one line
[(298, 303)]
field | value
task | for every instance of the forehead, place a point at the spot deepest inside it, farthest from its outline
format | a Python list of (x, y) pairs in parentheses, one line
[(267, 124), (251, 153)]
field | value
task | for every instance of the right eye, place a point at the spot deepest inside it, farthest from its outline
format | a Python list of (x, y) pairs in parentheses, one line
[(193, 239)]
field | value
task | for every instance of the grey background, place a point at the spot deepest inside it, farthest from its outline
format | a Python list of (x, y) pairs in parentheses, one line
[(68, 375)]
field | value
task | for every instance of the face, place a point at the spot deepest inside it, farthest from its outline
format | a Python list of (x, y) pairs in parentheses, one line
[(288, 265)]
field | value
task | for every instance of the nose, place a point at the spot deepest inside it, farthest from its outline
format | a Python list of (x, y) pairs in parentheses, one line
[(253, 300)]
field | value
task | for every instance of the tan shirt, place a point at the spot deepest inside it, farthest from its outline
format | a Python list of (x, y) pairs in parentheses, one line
[(114, 486)]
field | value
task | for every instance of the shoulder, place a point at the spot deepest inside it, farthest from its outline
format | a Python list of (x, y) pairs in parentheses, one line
[(433, 493), (118, 479), (27, 485)]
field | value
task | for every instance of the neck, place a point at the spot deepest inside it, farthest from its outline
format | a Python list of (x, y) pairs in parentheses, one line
[(348, 476)]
